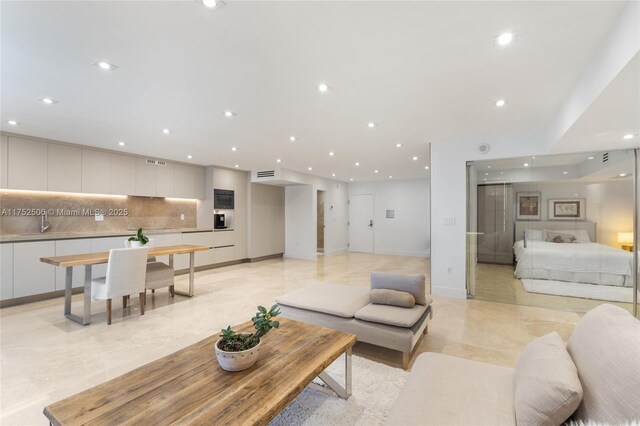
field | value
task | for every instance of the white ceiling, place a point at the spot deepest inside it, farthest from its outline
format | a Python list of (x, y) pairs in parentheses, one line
[(424, 71)]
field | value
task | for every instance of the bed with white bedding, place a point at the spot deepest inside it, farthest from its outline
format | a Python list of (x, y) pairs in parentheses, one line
[(580, 262)]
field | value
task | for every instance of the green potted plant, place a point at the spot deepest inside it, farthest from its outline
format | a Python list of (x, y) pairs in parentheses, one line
[(239, 351), (139, 239)]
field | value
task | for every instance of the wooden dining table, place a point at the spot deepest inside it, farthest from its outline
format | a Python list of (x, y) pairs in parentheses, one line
[(89, 259)]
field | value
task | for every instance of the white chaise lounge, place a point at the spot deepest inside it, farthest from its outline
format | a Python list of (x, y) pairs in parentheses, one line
[(347, 308)]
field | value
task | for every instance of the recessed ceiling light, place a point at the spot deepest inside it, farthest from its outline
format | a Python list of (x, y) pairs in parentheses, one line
[(229, 114), (234, 149), (210, 3), (504, 39), (486, 174), (390, 177), (292, 138), (485, 179), (48, 101), (357, 163), (565, 173), (236, 166), (415, 158), (501, 173), (371, 125), (121, 143), (628, 136), (323, 87), (500, 102), (590, 158), (333, 174), (12, 122), (278, 161), (331, 153), (189, 157), (166, 131), (488, 167), (104, 65), (622, 174), (398, 145), (526, 164), (351, 179), (310, 168), (375, 171), (426, 167)]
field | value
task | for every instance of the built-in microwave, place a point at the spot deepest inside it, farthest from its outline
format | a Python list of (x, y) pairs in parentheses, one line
[(223, 199)]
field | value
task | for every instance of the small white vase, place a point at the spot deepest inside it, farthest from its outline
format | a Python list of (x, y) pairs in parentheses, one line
[(135, 244), (237, 361)]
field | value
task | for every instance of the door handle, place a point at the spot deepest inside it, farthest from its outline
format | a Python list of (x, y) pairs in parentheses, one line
[(371, 223)]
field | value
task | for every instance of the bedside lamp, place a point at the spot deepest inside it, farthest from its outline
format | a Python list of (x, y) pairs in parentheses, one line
[(626, 240)]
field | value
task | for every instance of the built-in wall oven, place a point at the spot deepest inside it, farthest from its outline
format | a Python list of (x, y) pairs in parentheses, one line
[(223, 199)]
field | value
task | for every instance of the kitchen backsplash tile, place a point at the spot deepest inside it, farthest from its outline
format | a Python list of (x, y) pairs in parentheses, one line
[(68, 212)]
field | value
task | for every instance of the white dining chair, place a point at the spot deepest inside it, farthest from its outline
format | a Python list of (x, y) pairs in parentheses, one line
[(159, 274), (126, 272)]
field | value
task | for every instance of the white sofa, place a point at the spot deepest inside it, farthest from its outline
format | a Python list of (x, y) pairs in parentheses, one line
[(347, 308), (604, 348)]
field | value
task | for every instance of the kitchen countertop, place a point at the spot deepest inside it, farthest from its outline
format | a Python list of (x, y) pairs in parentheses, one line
[(51, 236)]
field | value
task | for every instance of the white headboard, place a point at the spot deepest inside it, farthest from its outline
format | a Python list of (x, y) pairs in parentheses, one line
[(555, 226)]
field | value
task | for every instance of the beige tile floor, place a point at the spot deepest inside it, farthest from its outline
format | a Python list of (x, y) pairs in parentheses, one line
[(45, 357), (497, 283)]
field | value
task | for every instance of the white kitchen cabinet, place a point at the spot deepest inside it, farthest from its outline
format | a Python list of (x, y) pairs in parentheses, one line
[(27, 167), (160, 240), (183, 181), (145, 178), (67, 247), (224, 254), (6, 271), (165, 180), (223, 238), (4, 160), (64, 168), (30, 276), (198, 182), (202, 258), (96, 172), (104, 244), (123, 174)]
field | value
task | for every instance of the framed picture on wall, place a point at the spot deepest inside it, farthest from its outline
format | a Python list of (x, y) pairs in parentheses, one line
[(571, 209), (528, 207)]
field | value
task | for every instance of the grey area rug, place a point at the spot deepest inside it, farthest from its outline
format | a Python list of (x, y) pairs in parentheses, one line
[(375, 388)]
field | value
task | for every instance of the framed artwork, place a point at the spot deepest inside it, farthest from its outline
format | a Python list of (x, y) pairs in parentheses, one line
[(570, 209), (529, 206)]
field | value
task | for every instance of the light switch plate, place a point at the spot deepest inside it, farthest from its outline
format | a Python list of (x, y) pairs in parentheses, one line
[(99, 218), (449, 220), (181, 216)]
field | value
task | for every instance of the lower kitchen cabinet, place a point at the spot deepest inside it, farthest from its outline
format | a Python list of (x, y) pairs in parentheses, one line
[(104, 244), (199, 239), (224, 254), (160, 240), (6, 271), (67, 247), (30, 276)]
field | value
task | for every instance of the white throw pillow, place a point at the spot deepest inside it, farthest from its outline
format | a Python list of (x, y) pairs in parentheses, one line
[(547, 388), (582, 236)]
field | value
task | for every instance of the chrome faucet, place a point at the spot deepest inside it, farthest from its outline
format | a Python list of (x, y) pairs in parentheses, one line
[(44, 223)]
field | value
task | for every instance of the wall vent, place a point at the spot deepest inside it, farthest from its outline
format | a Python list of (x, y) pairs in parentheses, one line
[(156, 162), (265, 174), (605, 157)]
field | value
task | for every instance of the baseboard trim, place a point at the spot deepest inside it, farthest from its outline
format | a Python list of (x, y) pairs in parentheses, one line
[(455, 293), (37, 297), (267, 257)]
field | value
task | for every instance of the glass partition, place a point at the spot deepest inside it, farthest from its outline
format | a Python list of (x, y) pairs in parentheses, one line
[(553, 231)]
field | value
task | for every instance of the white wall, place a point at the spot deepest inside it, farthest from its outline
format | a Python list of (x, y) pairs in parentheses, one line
[(408, 233), (266, 218), (608, 204), (300, 241)]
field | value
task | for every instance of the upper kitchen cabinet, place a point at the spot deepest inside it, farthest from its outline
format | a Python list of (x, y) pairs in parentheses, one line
[(64, 168), (165, 180), (96, 176), (189, 181), (123, 174), (145, 178), (27, 168), (4, 146)]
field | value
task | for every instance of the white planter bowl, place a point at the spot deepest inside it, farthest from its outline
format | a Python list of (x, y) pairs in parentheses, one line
[(135, 244), (237, 361)]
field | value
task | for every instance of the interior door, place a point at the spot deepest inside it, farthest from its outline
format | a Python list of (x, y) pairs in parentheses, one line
[(361, 224)]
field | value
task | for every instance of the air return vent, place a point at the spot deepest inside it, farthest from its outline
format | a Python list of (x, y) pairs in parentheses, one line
[(605, 157), (265, 174), (156, 162)]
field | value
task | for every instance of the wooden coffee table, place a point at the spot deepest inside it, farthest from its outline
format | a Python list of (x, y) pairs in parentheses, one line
[(189, 387)]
